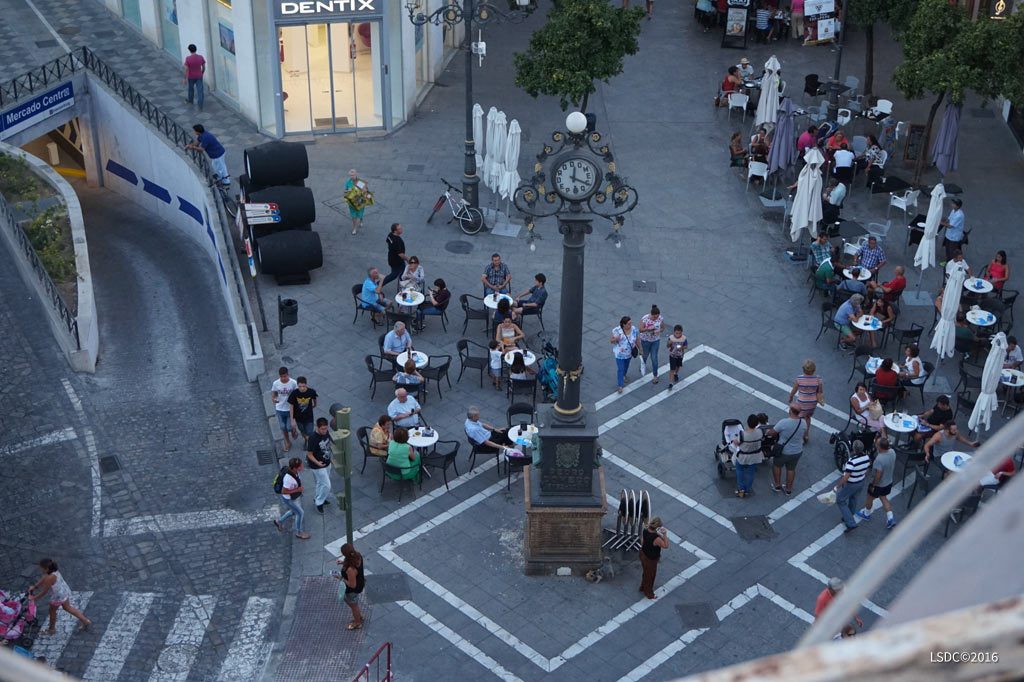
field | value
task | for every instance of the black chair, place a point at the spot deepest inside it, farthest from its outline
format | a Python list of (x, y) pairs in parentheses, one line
[(377, 375), (418, 391), (827, 313), (525, 409), (443, 315), (361, 306), (812, 85), (826, 291), (860, 357), (928, 369), (970, 378), (363, 436), (437, 371), (476, 449), (888, 396), (532, 311), (513, 464), (443, 456), (393, 317), (391, 472), (472, 313), (912, 453), (522, 387), (923, 478), (905, 337), (472, 361)]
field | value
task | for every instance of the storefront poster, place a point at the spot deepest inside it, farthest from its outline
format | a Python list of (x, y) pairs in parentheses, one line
[(227, 37), (736, 23), (826, 29), (816, 7)]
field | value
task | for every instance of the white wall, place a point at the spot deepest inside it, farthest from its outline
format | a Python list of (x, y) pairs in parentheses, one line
[(245, 60), (149, 10), (192, 29)]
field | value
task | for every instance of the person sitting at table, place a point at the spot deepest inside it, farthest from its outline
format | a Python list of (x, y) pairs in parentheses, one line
[(825, 277), (404, 410), (885, 311), (737, 152), (760, 146), (871, 256), (380, 436), (865, 408), (962, 330), (1004, 471), (486, 438), (844, 318), (957, 262), (945, 440), (438, 298), (821, 250), (508, 335), (885, 375), (832, 201), (397, 341), (807, 139), (497, 278), (872, 154), (504, 311), (934, 419), (842, 160), (519, 370), (853, 284), (371, 297), (403, 455), (408, 375), (746, 71), (533, 298), (835, 142), (954, 224), (413, 277), (1014, 356), (892, 289), (731, 83), (913, 373), (998, 271)]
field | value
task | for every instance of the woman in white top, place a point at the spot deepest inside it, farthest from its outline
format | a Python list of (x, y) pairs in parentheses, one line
[(508, 335), (860, 404), (914, 372), (519, 369), (413, 277), (625, 346), (53, 583)]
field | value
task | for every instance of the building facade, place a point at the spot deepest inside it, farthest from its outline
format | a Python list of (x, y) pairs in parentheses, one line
[(303, 67)]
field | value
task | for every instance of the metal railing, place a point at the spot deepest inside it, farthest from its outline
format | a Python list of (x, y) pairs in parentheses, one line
[(364, 674), (50, 73), (56, 300)]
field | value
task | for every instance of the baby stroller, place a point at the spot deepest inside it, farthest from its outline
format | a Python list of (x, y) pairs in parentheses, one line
[(17, 614), (547, 374), (731, 428)]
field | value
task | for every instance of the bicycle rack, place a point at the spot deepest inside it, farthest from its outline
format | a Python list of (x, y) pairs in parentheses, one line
[(634, 511)]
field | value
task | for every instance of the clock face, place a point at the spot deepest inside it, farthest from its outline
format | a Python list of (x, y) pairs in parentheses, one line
[(576, 178)]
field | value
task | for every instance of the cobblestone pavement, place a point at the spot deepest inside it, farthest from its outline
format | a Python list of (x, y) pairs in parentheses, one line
[(446, 586)]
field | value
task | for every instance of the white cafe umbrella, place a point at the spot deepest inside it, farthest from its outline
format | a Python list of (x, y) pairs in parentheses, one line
[(492, 121), (944, 336), (478, 135), (807, 202), (987, 401), (768, 104), (925, 256), (495, 162), (510, 169)]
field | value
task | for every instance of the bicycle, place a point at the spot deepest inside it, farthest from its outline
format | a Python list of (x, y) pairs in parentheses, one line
[(230, 203), (471, 220)]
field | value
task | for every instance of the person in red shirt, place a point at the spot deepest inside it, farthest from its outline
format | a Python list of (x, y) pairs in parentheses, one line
[(807, 139), (195, 68), (1004, 470), (835, 585), (892, 289), (731, 83), (886, 375)]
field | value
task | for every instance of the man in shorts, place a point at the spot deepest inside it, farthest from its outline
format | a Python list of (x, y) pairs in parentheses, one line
[(844, 318), (880, 484), (789, 431), (279, 392)]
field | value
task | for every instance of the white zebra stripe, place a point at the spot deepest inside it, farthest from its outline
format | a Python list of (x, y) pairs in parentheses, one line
[(119, 637), (184, 639), (250, 649)]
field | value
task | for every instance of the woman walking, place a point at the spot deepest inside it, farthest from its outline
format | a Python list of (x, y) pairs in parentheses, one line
[(650, 338), (358, 196), (808, 392), (624, 347), (53, 583), (352, 576), (749, 456), (655, 540)]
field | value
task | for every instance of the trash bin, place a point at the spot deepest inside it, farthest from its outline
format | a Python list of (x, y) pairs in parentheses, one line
[(287, 312)]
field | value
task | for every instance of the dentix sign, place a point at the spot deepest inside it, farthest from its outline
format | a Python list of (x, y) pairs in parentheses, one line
[(305, 10)]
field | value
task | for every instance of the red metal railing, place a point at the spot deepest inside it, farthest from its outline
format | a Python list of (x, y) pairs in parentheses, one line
[(376, 661)]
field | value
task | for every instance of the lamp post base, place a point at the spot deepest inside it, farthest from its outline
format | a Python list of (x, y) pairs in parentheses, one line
[(561, 536)]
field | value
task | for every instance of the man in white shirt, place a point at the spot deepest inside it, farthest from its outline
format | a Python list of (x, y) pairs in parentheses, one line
[(843, 159), (1014, 356), (746, 70), (279, 392), (833, 199), (404, 410), (958, 263), (397, 341)]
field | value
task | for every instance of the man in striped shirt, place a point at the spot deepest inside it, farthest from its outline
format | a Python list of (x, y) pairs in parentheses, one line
[(850, 486)]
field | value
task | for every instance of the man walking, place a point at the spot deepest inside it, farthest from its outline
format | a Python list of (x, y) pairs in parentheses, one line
[(790, 431), (825, 597), (301, 402), (195, 69), (279, 392), (318, 456), (954, 224), (849, 487), (396, 254), (881, 481), (206, 142)]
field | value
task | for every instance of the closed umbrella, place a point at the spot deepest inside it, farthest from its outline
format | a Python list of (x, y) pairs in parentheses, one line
[(478, 134), (945, 154), (768, 104), (944, 336), (510, 169), (495, 160), (925, 256), (807, 202), (492, 121), (987, 401), (783, 150)]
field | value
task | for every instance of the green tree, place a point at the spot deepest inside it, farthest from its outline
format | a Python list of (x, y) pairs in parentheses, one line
[(582, 42), (867, 14)]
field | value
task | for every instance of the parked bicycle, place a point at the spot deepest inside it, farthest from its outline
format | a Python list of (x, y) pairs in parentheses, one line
[(230, 203), (471, 220)]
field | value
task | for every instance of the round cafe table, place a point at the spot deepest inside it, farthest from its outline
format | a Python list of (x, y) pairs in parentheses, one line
[(491, 300), (977, 285), (528, 357), (418, 440), (1012, 377), (864, 274), (409, 298), (981, 318), (516, 433), (873, 363), (421, 359), (900, 422), (955, 462), (868, 323)]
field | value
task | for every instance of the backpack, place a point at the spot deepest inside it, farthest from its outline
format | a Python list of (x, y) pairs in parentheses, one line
[(279, 480)]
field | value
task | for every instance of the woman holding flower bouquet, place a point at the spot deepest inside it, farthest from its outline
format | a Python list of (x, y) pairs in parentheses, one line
[(358, 196)]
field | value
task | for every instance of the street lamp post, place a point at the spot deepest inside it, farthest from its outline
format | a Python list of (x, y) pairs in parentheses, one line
[(574, 180), (834, 86), (480, 14)]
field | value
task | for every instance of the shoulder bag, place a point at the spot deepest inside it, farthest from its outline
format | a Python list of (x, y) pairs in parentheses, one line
[(776, 450)]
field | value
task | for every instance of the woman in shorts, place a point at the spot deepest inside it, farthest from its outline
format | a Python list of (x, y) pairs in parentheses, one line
[(352, 576)]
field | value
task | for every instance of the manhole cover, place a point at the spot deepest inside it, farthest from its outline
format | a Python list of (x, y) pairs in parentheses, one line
[(753, 527), (983, 113), (694, 616), (177, 658), (109, 464), (387, 587), (68, 30), (287, 359), (415, 168), (459, 246), (643, 285), (265, 457)]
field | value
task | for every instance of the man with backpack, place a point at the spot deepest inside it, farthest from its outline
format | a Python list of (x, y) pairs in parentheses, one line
[(288, 485), (318, 455)]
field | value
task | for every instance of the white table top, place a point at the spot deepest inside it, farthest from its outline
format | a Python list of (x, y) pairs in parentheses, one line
[(900, 422), (418, 440), (949, 460), (414, 298), (421, 359), (868, 323), (528, 357), (873, 363), (977, 285), (1012, 377), (491, 300), (981, 318), (514, 433), (864, 274)]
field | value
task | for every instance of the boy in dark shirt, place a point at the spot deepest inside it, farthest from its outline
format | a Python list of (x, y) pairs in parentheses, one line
[(302, 401)]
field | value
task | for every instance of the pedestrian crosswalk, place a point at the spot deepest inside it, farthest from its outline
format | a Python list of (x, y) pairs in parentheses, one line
[(133, 637)]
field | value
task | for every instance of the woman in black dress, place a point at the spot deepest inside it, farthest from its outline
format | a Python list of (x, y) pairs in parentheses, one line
[(352, 575), (655, 540)]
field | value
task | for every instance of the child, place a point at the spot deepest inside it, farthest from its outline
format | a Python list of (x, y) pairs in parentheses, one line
[(676, 348), (52, 583), (495, 366)]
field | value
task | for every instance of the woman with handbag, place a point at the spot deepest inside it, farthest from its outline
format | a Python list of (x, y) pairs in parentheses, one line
[(808, 392), (786, 453), (655, 539), (625, 347)]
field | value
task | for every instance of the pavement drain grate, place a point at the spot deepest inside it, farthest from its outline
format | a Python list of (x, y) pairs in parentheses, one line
[(68, 30), (698, 615), (753, 527), (336, 205), (642, 285), (983, 113), (459, 246), (265, 457), (415, 168), (46, 43), (109, 464), (319, 647), (385, 587)]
